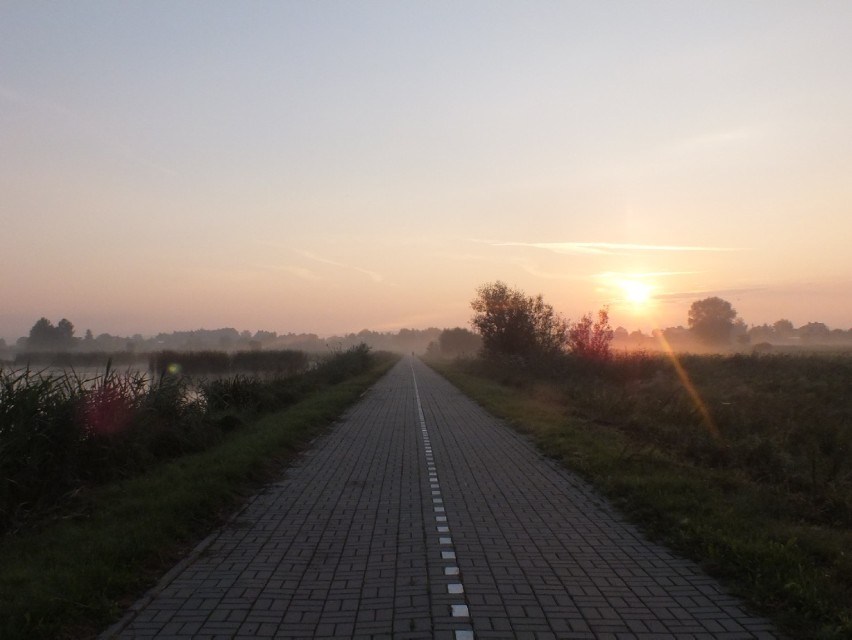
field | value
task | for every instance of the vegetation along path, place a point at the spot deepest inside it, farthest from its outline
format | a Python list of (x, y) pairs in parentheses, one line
[(421, 516)]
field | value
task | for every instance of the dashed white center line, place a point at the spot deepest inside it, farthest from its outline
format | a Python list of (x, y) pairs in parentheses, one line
[(459, 610)]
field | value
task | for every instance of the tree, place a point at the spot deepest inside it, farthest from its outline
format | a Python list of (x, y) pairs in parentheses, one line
[(784, 328), (458, 342), (44, 336), (712, 320), (814, 332), (590, 339), (512, 323), (65, 335)]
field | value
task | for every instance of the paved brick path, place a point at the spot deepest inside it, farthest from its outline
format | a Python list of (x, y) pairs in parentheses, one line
[(420, 516)]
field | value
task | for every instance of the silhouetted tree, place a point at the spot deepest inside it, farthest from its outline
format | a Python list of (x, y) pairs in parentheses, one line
[(589, 338), (676, 335), (41, 334), (739, 331), (784, 328), (712, 320), (44, 336), (65, 332), (512, 323), (761, 333), (814, 332), (458, 341)]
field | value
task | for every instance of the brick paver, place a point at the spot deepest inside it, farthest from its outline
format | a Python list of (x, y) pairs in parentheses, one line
[(432, 521)]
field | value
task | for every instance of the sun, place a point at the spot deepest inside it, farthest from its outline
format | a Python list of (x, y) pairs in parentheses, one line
[(639, 293)]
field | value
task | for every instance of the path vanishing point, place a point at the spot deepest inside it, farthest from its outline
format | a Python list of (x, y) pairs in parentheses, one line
[(419, 515)]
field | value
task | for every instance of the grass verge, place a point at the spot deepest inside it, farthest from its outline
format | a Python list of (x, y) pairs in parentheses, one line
[(745, 533), (74, 576)]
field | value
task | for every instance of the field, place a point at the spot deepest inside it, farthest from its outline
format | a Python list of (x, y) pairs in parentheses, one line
[(743, 463)]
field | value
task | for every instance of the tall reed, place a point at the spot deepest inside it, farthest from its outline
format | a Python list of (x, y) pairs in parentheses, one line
[(62, 432)]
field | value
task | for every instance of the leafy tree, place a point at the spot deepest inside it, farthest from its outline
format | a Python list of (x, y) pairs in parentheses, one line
[(589, 338), (44, 336), (512, 323), (814, 332), (712, 320), (784, 328)]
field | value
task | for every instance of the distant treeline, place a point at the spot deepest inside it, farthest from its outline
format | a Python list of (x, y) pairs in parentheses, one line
[(134, 350), (47, 337), (781, 336)]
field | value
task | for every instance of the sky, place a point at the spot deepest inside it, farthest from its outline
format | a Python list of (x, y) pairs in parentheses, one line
[(329, 166)]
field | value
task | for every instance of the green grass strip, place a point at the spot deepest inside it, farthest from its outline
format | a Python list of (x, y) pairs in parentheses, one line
[(747, 535), (74, 577)]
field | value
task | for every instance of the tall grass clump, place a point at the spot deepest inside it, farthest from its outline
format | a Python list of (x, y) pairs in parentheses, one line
[(62, 432)]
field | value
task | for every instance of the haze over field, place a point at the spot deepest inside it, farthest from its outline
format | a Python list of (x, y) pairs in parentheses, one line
[(330, 166)]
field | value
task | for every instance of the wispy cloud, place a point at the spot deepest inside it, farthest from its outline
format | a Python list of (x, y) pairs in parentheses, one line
[(374, 276), (608, 248)]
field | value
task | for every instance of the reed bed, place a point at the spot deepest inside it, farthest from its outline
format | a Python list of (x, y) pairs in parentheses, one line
[(60, 433), (276, 364)]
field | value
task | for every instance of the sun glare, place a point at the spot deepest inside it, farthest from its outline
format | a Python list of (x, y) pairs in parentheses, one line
[(639, 293)]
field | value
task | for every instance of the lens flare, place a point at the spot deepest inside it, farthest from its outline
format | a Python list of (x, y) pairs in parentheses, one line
[(709, 423)]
